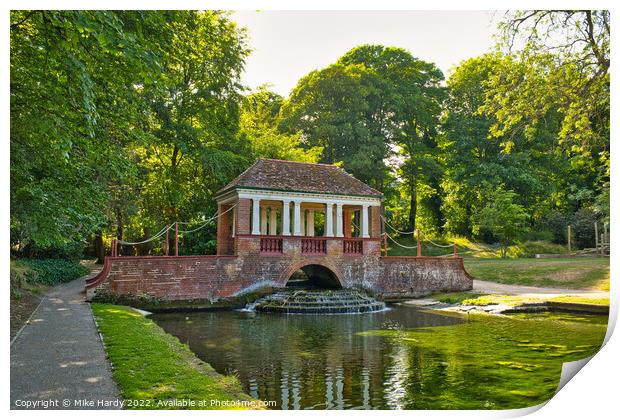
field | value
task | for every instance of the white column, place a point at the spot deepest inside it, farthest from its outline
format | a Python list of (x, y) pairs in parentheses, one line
[(255, 216), (364, 221), (234, 222), (329, 219), (310, 223), (339, 232), (297, 218), (263, 220), (286, 218), (273, 221), (303, 222)]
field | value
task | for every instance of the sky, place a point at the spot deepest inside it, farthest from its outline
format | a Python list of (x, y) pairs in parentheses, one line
[(287, 45)]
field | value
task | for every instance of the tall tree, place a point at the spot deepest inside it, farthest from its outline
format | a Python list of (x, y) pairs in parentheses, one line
[(259, 129), (330, 108), (405, 109), (566, 55), (372, 102), (191, 118), (71, 114)]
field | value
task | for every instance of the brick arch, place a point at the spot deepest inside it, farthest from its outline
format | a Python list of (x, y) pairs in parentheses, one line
[(299, 265)]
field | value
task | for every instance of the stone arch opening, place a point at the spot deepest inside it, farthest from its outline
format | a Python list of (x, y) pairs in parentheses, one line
[(313, 276)]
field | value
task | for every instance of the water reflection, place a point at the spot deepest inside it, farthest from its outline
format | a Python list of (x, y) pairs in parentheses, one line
[(310, 361)]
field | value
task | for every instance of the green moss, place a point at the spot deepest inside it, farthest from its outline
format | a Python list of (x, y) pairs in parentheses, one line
[(454, 298), (493, 362), (581, 299), (151, 365)]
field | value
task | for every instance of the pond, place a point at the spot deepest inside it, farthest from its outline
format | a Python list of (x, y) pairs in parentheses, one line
[(401, 358)]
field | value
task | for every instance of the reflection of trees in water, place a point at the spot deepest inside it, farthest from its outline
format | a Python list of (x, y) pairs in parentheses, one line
[(308, 361)]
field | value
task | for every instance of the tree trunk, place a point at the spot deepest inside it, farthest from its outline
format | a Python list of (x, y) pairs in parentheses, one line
[(413, 207), (99, 247), (119, 224)]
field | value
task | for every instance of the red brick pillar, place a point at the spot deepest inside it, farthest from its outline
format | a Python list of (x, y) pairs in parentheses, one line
[(223, 231), (346, 214), (243, 217), (375, 222)]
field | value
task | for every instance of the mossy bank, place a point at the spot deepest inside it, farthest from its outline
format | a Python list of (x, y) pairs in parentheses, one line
[(157, 371)]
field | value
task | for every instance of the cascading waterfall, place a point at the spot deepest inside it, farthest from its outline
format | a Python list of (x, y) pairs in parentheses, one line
[(317, 302)]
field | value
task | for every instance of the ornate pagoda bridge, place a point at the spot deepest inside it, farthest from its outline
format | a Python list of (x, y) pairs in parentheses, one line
[(279, 217)]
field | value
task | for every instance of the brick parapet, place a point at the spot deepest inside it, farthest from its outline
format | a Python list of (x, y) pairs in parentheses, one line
[(215, 277)]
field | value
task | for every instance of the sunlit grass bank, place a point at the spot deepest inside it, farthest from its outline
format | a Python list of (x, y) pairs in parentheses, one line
[(478, 299), (574, 273), (155, 369), (494, 362), (482, 261)]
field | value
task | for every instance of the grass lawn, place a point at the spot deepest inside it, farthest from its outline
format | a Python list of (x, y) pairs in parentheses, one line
[(574, 273), (153, 366)]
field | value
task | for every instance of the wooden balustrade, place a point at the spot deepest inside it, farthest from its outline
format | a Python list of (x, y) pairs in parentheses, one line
[(353, 246), (270, 245), (313, 246)]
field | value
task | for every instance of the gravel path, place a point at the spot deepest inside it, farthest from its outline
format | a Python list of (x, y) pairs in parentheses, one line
[(58, 360)]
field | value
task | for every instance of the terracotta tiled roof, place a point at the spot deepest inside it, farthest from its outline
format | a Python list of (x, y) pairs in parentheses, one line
[(284, 175)]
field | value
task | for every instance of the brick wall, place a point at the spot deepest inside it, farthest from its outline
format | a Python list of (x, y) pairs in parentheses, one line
[(215, 277)]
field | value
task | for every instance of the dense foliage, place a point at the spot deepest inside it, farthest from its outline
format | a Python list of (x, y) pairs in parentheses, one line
[(125, 121), (45, 271)]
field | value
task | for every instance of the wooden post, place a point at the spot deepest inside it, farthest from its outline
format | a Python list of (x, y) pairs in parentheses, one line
[(454, 249), (419, 245), (606, 234), (176, 239), (167, 239), (596, 238), (569, 250), (385, 244)]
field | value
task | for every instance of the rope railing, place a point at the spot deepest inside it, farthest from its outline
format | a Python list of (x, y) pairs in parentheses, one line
[(437, 245), (399, 244), (400, 232), (164, 231), (152, 238), (206, 222)]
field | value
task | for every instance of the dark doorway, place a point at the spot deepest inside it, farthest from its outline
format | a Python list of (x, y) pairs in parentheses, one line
[(314, 276)]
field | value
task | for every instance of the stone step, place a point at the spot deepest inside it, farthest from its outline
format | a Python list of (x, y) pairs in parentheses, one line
[(316, 302)]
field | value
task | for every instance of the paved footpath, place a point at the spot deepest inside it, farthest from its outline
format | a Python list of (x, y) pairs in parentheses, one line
[(481, 286), (58, 358)]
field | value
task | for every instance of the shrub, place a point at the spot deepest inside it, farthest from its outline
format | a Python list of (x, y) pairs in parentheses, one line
[(556, 223), (48, 272), (583, 228), (541, 235)]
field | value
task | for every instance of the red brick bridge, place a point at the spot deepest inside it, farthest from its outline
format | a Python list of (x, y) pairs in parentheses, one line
[(279, 217)]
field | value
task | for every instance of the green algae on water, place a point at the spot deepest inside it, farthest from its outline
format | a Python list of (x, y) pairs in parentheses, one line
[(492, 361)]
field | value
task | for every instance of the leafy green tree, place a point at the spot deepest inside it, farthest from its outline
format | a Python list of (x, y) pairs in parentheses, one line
[(191, 120), (72, 113), (119, 120), (406, 108), (329, 107), (477, 164), (374, 102), (503, 218), (564, 70), (259, 123)]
